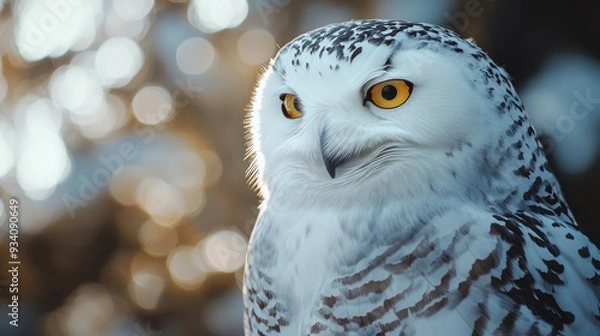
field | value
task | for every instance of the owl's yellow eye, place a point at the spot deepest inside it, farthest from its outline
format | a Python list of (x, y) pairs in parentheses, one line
[(290, 106), (389, 94)]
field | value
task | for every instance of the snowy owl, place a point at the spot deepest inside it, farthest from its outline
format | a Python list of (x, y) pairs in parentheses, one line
[(404, 193)]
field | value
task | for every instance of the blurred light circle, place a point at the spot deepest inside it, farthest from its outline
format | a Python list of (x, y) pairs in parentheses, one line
[(183, 269), (86, 60), (105, 119), (51, 28), (76, 89), (86, 40), (194, 202), (198, 257), (214, 167), (256, 46), (225, 250), (124, 183), (7, 147), (212, 16), (161, 201), (146, 289), (118, 60), (114, 25), (41, 113), (132, 10), (157, 240), (43, 161), (189, 174), (3, 88), (147, 284), (152, 105), (89, 307), (195, 55)]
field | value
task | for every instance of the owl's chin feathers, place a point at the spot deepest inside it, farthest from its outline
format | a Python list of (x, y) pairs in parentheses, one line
[(362, 163), (389, 170), (368, 163)]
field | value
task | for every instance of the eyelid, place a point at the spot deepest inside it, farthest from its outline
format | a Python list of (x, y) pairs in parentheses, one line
[(285, 90), (375, 80)]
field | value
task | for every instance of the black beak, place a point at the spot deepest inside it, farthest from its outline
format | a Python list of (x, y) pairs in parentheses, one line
[(331, 160), (330, 165)]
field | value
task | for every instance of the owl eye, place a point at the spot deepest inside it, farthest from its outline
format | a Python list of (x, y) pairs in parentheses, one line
[(389, 94), (290, 106)]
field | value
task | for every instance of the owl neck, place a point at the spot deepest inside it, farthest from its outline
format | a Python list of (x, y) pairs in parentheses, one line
[(519, 178)]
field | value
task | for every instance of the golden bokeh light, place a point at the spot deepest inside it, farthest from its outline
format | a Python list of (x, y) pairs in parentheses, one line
[(157, 240), (211, 16), (52, 28), (109, 117), (7, 147), (116, 26), (214, 167), (163, 202), (147, 284), (195, 56), (43, 160), (88, 310), (3, 83), (153, 105), (124, 183), (76, 89), (256, 46), (225, 251), (185, 273), (118, 60), (132, 10)]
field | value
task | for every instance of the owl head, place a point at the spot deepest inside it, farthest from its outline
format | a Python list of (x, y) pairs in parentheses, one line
[(387, 107)]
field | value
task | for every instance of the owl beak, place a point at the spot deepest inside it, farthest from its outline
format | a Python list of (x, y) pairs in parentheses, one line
[(331, 161), (330, 165)]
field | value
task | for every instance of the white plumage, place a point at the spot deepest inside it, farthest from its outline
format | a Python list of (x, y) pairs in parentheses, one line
[(404, 193)]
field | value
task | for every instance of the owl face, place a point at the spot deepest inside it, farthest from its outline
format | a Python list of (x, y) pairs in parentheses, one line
[(334, 114)]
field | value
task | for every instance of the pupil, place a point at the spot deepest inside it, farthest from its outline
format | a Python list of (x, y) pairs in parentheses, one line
[(389, 92), (297, 105)]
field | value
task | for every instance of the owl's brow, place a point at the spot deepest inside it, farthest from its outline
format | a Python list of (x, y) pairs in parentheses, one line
[(275, 66), (388, 64)]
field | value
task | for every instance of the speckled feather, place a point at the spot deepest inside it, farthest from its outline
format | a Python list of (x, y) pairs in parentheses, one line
[(442, 232)]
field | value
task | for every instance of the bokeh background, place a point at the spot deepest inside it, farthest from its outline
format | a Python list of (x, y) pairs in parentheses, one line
[(121, 135)]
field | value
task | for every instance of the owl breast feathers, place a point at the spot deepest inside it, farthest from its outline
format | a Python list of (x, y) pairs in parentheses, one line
[(404, 193)]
